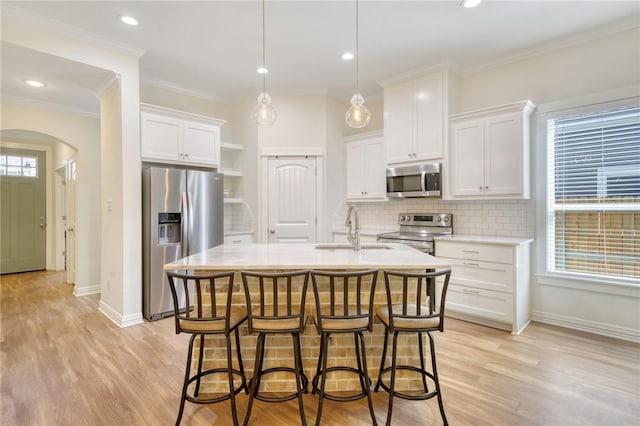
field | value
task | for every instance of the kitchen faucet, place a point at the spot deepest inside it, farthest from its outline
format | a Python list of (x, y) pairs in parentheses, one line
[(353, 239)]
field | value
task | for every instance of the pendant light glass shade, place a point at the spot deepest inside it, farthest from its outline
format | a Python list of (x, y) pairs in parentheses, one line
[(264, 113), (357, 116)]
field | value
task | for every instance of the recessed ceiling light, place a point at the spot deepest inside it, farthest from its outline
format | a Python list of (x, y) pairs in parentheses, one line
[(262, 70), (470, 3), (34, 83), (347, 56), (129, 20)]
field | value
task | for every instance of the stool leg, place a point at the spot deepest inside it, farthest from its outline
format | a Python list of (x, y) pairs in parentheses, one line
[(232, 393), (435, 378), (323, 379), (365, 376), (200, 357), (300, 385), (356, 339), (383, 359), (392, 386), (240, 365), (424, 379), (254, 383), (183, 398), (314, 383)]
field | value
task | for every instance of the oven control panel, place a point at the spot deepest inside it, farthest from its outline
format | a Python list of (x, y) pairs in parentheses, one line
[(426, 219)]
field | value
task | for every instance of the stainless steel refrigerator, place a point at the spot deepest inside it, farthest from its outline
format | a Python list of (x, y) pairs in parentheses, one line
[(182, 215)]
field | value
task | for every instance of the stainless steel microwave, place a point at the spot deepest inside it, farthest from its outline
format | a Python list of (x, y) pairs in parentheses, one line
[(423, 180)]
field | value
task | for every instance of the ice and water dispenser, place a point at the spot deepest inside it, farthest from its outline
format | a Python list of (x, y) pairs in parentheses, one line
[(169, 228)]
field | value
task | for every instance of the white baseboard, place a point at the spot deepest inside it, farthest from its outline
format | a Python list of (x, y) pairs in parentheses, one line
[(120, 320), (603, 329), (85, 291)]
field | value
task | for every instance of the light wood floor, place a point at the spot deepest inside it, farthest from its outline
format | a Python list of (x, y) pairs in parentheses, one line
[(64, 363)]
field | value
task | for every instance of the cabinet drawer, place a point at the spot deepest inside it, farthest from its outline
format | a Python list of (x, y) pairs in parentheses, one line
[(483, 303), (238, 239), (475, 251), (486, 275)]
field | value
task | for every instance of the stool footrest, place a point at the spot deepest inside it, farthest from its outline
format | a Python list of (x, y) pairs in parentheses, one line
[(419, 397), (346, 398), (236, 390), (262, 397)]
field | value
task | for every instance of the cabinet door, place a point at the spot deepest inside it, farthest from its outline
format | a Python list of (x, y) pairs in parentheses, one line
[(429, 121), (503, 154), (355, 170), (398, 123), (467, 158), (160, 137), (201, 144), (374, 179)]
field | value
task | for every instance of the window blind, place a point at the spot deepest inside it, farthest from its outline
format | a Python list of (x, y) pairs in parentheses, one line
[(594, 193)]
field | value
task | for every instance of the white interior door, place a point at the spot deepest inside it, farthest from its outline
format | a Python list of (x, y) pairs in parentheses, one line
[(292, 200), (70, 240)]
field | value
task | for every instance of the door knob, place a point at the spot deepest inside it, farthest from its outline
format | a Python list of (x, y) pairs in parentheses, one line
[(272, 231), (42, 222)]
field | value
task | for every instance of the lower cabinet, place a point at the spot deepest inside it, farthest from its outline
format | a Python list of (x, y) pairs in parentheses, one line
[(489, 282)]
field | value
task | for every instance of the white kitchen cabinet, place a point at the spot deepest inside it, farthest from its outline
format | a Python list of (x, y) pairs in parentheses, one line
[(489, 282), (170, 136), (365, 167), (489, 153), (415, 117)]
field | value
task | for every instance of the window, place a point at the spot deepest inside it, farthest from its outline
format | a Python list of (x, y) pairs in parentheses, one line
[(16, 165), (594, 193)]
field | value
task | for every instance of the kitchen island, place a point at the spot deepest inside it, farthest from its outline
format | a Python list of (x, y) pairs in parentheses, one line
[(290, 257)]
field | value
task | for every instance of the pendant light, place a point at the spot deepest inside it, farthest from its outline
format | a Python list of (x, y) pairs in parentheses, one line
[(357, 115), (264, 113)]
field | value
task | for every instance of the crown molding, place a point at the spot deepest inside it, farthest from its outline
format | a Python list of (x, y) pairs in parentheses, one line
[(569, 41), (106, 85), (21, 15), (35, 103), (167, 85)]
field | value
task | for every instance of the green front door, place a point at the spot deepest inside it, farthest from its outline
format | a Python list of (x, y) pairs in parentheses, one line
[(22, 210)]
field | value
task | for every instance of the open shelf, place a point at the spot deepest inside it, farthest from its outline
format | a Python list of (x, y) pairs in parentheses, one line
[(231, 146)]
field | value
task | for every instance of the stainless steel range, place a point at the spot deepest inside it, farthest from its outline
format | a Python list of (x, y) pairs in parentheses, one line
[(418, 229)]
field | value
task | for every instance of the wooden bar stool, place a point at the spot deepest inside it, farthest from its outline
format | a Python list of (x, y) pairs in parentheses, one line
[(416, 313), (212, 315), (276, 305), (344, 304)]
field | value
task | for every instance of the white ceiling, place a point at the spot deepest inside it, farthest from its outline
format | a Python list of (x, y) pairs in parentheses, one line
[(213, 48)]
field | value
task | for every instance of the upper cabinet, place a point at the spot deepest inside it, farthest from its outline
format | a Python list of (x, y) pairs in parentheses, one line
[(416, 108), (365, 167), (170, 136), (489, 153)]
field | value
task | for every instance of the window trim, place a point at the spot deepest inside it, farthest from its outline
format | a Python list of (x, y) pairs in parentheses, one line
[(551, 110)]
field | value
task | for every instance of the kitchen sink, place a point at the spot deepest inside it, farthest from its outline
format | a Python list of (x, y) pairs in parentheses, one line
[(347, 246)]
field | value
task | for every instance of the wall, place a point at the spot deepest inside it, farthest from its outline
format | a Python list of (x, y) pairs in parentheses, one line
[(83, 134)]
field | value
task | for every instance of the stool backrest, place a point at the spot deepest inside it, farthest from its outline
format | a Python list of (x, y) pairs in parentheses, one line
[(274, 297), (212, 294), (409, 295), (347, 295)]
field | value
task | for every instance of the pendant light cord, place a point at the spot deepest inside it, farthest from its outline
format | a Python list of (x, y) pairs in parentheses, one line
[(264, 75), (357, 53)]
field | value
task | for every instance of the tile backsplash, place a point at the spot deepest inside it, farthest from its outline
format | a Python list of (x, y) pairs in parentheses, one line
[(237, 217), (502, 218)]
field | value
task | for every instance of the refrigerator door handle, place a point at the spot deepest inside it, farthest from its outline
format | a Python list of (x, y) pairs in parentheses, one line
[(186, 219)]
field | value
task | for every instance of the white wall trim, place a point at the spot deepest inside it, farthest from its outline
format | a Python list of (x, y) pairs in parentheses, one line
[(121, 321), (166, 85), (86, 291), (49, 106), (595, 327)]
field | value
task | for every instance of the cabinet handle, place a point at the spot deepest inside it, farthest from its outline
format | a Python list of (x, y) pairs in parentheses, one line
[(470, 264), (237, 241), (466, 290), (471, 251), (486, 187), (186, 155), (480, 187)]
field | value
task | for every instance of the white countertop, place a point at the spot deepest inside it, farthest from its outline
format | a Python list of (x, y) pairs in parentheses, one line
[(484, 239), (306, 256)]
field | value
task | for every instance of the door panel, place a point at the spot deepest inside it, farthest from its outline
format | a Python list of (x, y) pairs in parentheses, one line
[(467, 158), (292, 200), (23, 224), (503, 154)]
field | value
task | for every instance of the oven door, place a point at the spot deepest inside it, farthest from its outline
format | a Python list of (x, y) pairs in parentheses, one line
[(424, 246)]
